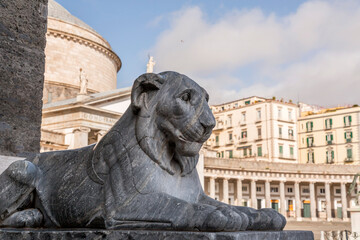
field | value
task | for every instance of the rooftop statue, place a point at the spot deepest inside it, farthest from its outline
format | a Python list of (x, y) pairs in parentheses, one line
[(141, 175)]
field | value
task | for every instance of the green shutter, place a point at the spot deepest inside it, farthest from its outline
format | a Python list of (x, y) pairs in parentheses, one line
[(332, 155), (331, 137), (350, 119), (330, 122), (311, 124), (307, 126), (259, 151), (345, 135), (326, 123), (351, 136), (326, 138), (307, 141), (345, 120), (349, 153), (230, 153), (291, 151), (327, 157), (313, 158)]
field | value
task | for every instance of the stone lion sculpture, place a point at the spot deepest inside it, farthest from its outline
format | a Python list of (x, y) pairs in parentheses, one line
[(141, 175)]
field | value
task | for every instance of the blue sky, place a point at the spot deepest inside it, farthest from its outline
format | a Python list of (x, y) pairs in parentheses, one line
[(267, 48)]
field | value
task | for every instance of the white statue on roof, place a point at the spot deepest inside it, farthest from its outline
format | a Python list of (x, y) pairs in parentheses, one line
[(150, 65), (83, 82)]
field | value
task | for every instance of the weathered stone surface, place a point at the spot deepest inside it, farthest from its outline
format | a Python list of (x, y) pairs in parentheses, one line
[(22, 60), (15, 234), (141, 175)]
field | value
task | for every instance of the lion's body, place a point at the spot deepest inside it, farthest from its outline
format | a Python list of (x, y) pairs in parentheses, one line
[(140, 175)]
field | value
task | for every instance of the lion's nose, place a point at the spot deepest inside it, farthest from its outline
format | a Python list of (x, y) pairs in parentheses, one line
[(207, 120)]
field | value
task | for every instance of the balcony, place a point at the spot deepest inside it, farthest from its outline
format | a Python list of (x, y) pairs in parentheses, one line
[(331, 161), (217, 144), (243, 140), (329, 142), (230, 142), (218, 126), (349, 160), (348, 140)]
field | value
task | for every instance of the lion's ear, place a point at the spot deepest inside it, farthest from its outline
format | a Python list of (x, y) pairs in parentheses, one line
[(144, 89)]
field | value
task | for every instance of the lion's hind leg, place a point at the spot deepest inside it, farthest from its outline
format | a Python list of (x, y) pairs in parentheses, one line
[(17, 183)]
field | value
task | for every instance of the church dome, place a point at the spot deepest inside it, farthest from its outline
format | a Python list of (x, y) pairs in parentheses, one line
[(72, 45)]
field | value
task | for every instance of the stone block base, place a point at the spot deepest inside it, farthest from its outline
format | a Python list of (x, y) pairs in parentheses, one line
[(64, 234)]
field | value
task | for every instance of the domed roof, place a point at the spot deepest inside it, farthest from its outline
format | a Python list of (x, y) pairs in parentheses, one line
[(55, 10)]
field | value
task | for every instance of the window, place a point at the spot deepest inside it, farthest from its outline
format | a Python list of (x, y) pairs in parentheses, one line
[(230, 153), (337, 191), (291, 133), (259, 133), (328, 123), (218, 154), (259, 151), (274, 189), (222, 154), (230, 137), (280, 132), (289, 189), (258, 114), (348, 136), (217, 139), (347, 121), (290, 115), (281, 152), (245, 152), (349, 154), (291, 151), (243, 117), (258, 189), (329, 138), (222, 108), (244, 188), (229, 121), (244, 134), (330, 156), (279, 113), (310, 156), (250, 152), (236, 105), (322, 190), (247, 102), (309, 126), (306, 190), (310, 141)]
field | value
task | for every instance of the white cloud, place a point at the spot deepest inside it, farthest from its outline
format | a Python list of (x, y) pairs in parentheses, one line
[(312, 53)]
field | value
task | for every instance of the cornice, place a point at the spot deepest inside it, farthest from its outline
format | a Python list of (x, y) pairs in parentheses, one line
[(87, 42)]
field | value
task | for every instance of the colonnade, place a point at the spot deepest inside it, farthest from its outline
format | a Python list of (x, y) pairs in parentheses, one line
[(335, 202)]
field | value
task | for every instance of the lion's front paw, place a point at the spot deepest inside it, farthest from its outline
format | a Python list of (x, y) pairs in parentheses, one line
[(265, 219), (225, 219)]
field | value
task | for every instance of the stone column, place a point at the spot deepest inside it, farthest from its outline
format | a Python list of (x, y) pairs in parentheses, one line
[(282, 198), (238, 192), (297, 201), (81, 137), (22, 66), (267, 194), (253, 194), (100, 134), (344, 201), (312, 201), (225, 191), (328, 201), (212, 187)]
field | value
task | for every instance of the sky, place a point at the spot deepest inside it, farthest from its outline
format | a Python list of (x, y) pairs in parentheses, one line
[(306, 51)]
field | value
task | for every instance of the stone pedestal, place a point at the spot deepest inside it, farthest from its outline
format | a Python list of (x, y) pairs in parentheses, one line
[(355, 219), (145, 235)]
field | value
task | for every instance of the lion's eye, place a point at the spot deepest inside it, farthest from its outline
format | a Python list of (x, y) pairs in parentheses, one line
[(185, 97)]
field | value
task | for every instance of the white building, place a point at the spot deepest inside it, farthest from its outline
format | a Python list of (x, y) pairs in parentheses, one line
[(255, 128)]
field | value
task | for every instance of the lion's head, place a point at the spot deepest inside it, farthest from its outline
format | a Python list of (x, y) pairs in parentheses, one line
[(173, 119)]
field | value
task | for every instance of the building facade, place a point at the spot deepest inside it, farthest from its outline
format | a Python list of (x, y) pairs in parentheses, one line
[(81, 102), (330, 136), (298, 191), (255, 128)]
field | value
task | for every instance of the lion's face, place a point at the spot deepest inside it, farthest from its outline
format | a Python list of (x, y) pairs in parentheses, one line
[(179, 122)]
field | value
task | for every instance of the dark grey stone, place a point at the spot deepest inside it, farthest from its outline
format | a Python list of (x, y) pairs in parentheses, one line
[(22, 65), (141, 175), (14, 234)]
